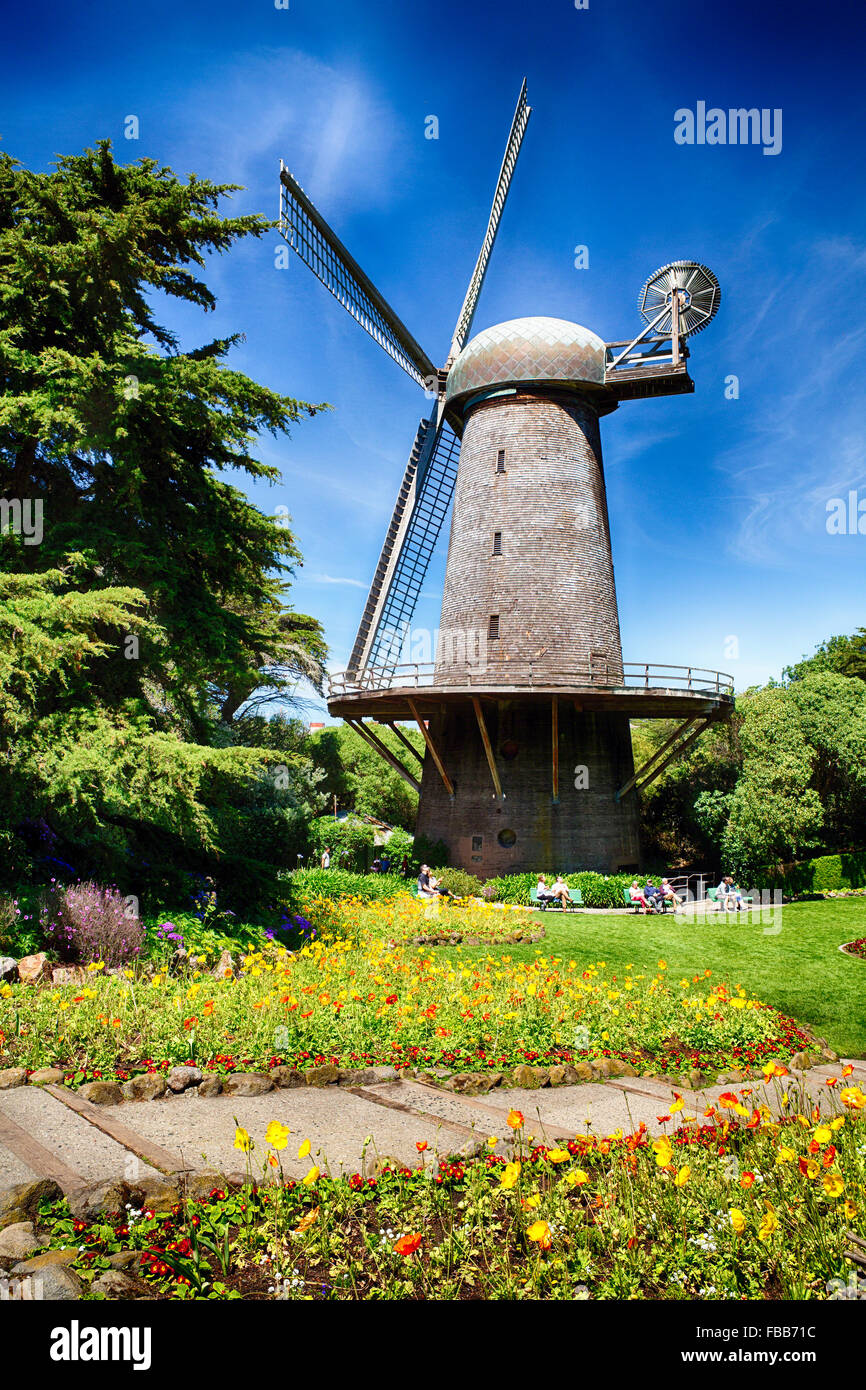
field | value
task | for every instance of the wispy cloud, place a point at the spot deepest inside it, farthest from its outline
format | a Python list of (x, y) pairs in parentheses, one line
[(803, 438), (336, 579), (331, 125)]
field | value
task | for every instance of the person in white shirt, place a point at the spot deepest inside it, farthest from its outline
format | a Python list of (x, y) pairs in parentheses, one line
[(727, 896), (542, 892), (326, 858), (636, 894), (559, 890)]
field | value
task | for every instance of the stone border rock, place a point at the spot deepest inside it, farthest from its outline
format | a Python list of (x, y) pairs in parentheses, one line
[(192, 1080)]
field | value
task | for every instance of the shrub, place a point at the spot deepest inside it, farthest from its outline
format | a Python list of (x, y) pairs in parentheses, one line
[(459, 882), (9, 919), (168, 931), (820, 875), (20, 934), (307, 884), (350, 841), (86, 923), (398, 846), (428, 851), (510, 888)]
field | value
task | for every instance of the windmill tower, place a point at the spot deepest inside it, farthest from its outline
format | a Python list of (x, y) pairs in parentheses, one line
[(525, 711)]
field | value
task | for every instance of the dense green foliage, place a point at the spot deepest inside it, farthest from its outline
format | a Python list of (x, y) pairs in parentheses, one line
[(458, 882), (844, 656), (153, 610), (306, 885), (363, 781), (826, 874), (787, 778)]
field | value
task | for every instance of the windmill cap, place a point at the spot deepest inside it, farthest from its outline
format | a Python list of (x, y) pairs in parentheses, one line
[(527, 351)]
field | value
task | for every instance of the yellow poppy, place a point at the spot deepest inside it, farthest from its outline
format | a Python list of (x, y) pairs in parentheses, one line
[(277, 1134), (510, 1174), (242, 1140)]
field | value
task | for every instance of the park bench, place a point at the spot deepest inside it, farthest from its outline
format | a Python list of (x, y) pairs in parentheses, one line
[(575, 898), (713, 895), (638, 906)]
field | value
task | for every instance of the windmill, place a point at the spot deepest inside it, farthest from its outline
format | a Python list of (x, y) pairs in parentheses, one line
[(528, 681)]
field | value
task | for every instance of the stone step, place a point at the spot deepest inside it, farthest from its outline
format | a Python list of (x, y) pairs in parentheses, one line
[(40, 1134)]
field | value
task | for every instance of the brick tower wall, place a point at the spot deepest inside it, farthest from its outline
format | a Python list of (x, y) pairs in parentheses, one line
[(552, 586), (586, 829)]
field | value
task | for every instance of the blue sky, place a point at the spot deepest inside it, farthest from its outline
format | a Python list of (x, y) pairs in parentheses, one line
[(718, 507)]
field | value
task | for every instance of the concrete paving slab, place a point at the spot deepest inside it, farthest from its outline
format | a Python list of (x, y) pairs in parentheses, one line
[(80, 1147), (13, 1169), (338, 1124), (476, 1114), (596, 1109)]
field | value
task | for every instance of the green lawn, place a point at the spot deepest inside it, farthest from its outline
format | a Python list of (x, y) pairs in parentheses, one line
[(800, 970)]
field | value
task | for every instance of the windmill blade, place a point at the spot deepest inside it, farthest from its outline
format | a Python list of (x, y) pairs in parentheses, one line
[(319, 247), (512, 150), (422, 504)]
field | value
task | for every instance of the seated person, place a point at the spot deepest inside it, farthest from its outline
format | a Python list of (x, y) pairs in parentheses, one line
[(425, 887), (559, 890), (735, 894), (542, 892), (669, 895), (438, 888), (725, 897), (637, 895), (653, 896)]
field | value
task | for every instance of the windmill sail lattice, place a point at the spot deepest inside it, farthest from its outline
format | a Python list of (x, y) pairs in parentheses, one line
[(307, 232), (431, 490), (509, 160)]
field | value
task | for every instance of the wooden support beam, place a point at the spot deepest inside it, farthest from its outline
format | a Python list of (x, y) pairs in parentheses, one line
[(434, 752), (403, 739), (642, 771), (488, 749), (554, 748), (641, 779), (675, 753), (390, 758)]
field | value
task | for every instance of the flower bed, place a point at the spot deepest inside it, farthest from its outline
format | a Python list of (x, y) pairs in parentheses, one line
[(856, 948), (733, 1205), (414, 920), (383, 1002)]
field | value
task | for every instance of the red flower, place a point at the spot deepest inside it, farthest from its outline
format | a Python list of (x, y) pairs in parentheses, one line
[(407, 1245)]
